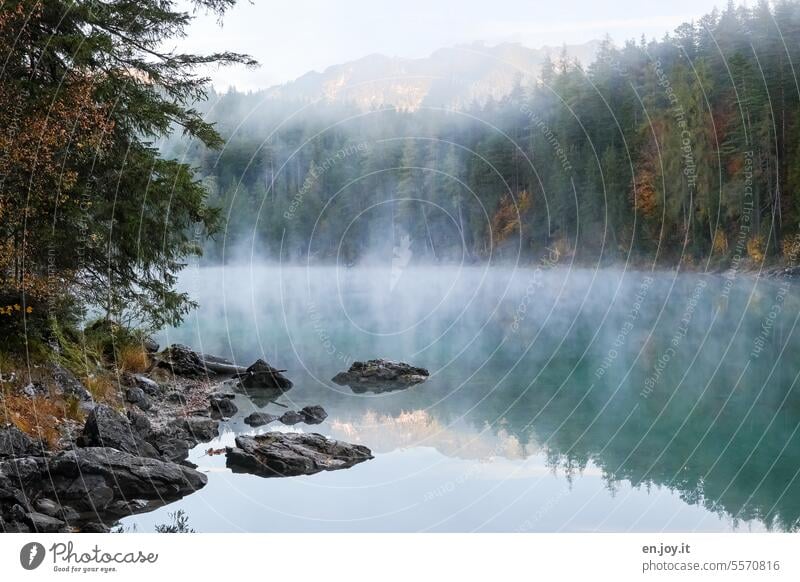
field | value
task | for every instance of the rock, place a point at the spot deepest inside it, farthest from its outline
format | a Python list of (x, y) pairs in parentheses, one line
[(124, 507), (138, 397), (182, 361), (147, 385), (34, 389), (313, 414), (68, 384), (47, 506), (91, 479), (42, 523), (150, 345), (380, 376), (200, 428), (277, 454), (291, 417), (140, 424), (105, 427), (222, 407), (173, 448), (15, 443), (174, 441), (260, 419), (262, 375)]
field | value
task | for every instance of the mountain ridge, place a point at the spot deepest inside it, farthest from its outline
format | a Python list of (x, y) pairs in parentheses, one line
[(450, 77)]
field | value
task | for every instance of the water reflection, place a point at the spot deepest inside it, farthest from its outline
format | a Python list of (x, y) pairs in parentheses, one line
[(658, 385)]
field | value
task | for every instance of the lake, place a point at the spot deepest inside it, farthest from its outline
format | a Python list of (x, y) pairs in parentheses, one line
[(559, 399)]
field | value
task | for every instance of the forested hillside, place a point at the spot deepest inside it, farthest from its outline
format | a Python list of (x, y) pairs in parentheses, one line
[(682, 150)]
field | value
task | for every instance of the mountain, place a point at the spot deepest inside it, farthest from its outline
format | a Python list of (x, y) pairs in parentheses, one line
[(451, 77)]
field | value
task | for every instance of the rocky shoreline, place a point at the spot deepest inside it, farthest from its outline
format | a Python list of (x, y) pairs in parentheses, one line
[(121, 461), (132, 458)]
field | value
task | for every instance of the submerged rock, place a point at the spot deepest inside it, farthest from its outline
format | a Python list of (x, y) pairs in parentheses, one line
[(262, 375), (260, 419), (380, 376), (277, 454)]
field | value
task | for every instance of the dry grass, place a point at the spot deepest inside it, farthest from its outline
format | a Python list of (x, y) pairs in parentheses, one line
[(39, 417), (133, 358), (102, 387)]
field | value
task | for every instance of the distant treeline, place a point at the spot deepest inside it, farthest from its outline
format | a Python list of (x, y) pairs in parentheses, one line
[(678, 150)]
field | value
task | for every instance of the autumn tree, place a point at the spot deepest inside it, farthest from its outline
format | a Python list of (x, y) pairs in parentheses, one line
[(92, 215)]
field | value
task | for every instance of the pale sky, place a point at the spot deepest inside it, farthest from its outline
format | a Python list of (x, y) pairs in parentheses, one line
[(290, 38)]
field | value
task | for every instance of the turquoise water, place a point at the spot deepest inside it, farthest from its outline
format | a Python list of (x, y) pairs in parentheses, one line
[(559, 400)]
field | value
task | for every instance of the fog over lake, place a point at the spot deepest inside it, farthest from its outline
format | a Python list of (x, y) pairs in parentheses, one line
[(559, 399)]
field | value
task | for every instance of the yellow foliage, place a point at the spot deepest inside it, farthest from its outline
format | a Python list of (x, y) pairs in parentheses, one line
[(791, 248), (562, 248), (720, 245), (506, 219), (755, 248)]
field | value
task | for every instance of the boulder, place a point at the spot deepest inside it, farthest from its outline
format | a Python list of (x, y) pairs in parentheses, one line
[(221, 405), (138, 397), (277, 454), (181, 361), (380, 376), (201, 428), (140, 424), (68, 384), (42, 523), (15, 443), (313, 414), (150, 345), (105, 427), (174, 441), (149, 386), (262, 375), (260, 419), (94, 478)]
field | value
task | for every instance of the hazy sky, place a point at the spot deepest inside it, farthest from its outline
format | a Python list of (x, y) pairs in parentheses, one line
[(292, 37)]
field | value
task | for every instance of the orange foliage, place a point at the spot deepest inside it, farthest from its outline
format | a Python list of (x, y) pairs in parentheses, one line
[(44, 140), (507, 217)]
